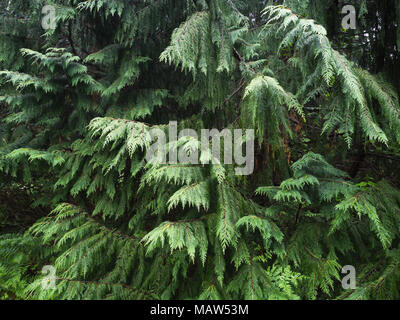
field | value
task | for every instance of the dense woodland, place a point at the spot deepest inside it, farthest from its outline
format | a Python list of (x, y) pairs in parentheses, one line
[(75, 189)]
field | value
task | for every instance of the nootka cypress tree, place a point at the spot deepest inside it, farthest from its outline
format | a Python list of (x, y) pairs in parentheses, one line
[(76, 193)]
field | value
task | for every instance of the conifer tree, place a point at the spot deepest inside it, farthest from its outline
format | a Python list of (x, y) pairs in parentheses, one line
[(76, 192)]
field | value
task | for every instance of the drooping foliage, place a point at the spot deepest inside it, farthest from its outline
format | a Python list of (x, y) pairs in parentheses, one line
[(76, 192)]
